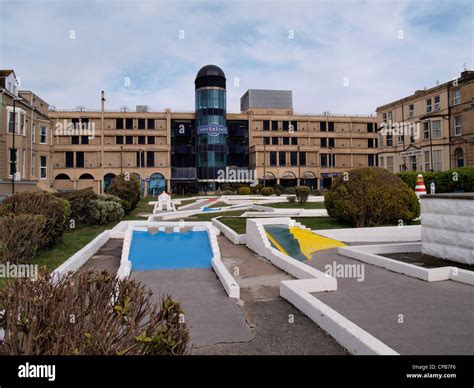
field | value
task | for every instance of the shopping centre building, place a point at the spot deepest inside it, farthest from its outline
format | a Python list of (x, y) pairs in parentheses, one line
[(178, 151)]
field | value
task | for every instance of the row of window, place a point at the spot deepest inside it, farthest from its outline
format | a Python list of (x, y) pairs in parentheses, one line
[(411, 163), (13, 164), (282, 158), (19, 128), (128, 123), (76, 159), (293, 126)]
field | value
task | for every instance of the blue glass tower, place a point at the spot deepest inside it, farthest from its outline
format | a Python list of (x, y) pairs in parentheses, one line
[(211, 127)]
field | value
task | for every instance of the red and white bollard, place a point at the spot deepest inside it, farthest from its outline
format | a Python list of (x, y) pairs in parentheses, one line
[(420, 187)]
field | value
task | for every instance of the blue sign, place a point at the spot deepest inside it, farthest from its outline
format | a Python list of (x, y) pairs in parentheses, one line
[(212, 129)]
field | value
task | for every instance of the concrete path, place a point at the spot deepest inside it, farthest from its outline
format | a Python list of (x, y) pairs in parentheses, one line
[(107, 258), (392, 234), (277, 326), (409, 315), (211, 315)]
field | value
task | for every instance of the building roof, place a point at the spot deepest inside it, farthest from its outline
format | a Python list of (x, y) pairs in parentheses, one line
[(6, 73), (210, 70)]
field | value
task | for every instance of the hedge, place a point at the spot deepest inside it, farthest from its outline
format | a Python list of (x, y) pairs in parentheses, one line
[(454, 180)]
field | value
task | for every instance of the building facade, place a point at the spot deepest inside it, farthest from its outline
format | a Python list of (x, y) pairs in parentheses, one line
[(185, 152), (431, 130)]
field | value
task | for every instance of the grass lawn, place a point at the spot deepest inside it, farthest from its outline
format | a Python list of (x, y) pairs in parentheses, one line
[(210, 215), (186, 202), (296, 205)]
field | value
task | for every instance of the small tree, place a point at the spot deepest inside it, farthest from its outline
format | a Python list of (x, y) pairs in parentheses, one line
[(302, 194), (127, 188)]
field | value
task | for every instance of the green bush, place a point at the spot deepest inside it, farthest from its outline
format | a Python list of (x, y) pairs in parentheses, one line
[(277, 192), (83, 205), (266, 191), (127, 188), (20, 237), (55, 210), (88, 313), (256, 189), (457, 179), (228, 192), (244, 190), (108, 210), (371, 197), (289, 190), (315, 192), (278, 187), (302, 194), (291, 199)]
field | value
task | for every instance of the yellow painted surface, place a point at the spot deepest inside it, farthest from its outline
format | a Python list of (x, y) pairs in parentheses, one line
[(279, 247), (311, 242)]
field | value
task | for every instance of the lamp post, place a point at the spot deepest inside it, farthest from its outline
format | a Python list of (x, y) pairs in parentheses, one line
[(102, 101), (264, 164)]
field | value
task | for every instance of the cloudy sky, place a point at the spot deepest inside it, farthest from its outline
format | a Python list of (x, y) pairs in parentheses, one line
[(339, 56)]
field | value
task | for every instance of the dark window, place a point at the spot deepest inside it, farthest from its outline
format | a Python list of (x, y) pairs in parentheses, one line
[(333, 160), (370, 127), (322, 126), (141, 123), (69, 159), (79, 159), (324, 160), (74, 139), (274, 140), (302, 158), (331, 142), (151, 123), (286, 125), (294, 158), (85, 123), (266, 125), (85, 139), (141, 140), (370, 143), (128, 123), (128, 139), (151, 139), (371, 160), (294, 125), (286, 141), (75, 122), (266, 140), (282, 158), (150, 159), (330, 126), (294, 141), (140, 159), (324, 142), (273, 158), (118, 139), (119, 123), (274, 125), (389, 140)]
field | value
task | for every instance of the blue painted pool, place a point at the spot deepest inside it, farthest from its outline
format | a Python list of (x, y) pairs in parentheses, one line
[(210, 209), (170, 250)]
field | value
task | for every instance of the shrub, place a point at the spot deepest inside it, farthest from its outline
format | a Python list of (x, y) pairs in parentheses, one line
[(266, 191), (278, 187), (20, 237), (108, 210), (289, 190), (127, 189), (370, 197), (244, 190), (257, 188), (291, 199), (457, 179), (315, 192), (83, 205), (55, 210), (277, 192), (228, 192), (88, 313), (302, 194)]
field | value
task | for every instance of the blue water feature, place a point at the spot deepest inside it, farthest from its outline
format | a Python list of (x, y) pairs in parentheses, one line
[(210, 209), (178, 250)]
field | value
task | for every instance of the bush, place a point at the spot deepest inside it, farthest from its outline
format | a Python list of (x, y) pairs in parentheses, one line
[(83, 205), (244, 190), (88, 313), (457, 179), (289, 190), (55, 210), (302, 194), (278, 187), (371, 197), (257, 188), (108, 210), (128, 190), (277, 192), (315, 192), (291, 199), (228, 192), (266, 191), (20, 237)]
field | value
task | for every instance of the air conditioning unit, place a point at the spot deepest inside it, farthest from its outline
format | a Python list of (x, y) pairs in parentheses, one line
[(142, 108)]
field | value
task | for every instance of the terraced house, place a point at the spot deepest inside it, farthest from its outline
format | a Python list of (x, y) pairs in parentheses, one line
[(185, 151), (431, 130)]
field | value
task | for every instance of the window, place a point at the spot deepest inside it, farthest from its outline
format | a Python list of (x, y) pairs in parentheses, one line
[(274, 125), (273, 158), (370, 127), (427, 160), (331, 126), (69, 159), (80, 159), (12, 161), (459, 153), (282, 158), (128, 123), (370, 143), (286, 141), (324, 142), (371, 160), (294, 125), (302, 158), (380, 139), (119, 123), (426, 130), (384, 117), (437, 160), (266, 125), (266, 140), (436, 103), (12, 122), (413, 163), (389, 140), (429, 107), (324, 160), (151, 139), (274, 140), (141, 123), (390, 116), (74, 139), (150, 159), (381, 161), (118, 139), (436, 129), (33, 134), (151, 123), (43, 135), (43, 167), (22, 124), (457, 97), (457, 126), (401, 139), (33, 164), (390, 163), (286, 125), (140, 159), (411, 110), (331, 142), (141, 140), (84, 139), (294, 141), (323, 126), (128, 139), (293, 158)]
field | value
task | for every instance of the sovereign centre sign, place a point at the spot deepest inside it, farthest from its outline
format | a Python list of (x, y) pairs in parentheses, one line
[(212, 129)]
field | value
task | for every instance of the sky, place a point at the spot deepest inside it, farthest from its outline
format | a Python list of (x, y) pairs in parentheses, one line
[(345, 57)]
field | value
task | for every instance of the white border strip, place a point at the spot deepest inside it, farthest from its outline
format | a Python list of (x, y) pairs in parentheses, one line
[(234, 237)]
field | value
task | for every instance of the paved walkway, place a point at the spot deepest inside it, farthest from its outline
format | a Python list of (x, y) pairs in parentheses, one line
[(409, 315), (107, 258)]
